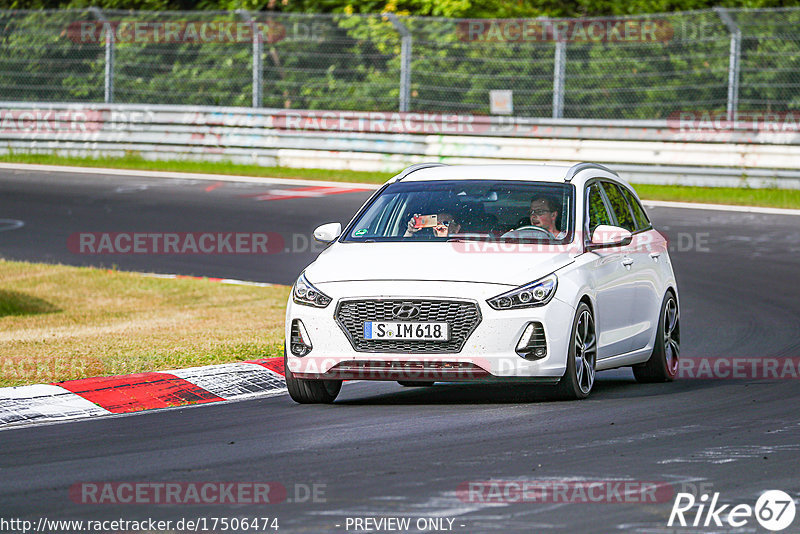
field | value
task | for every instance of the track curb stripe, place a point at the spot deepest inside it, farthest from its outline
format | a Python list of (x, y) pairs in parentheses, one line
[(43, 402), (231, 381), (143, 391), (99, 396)]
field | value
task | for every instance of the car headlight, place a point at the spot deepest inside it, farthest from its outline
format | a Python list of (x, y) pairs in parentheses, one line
[(305, 293), (530, 295)]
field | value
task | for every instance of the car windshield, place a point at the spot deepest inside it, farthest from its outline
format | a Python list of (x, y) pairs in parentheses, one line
[(468, 209)]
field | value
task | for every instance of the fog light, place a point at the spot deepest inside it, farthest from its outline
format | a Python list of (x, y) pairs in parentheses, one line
[(526, 337), (532, 344), (300, 342)]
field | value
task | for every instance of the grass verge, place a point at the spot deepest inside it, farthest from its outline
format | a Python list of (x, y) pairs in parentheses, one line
[(211, 167), (64, 323), (775, 198), (771, 198)]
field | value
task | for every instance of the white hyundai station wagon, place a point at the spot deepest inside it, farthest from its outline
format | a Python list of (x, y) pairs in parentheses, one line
[(542, 274)]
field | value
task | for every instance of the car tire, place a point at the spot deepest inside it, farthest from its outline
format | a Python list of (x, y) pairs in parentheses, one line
[(663, 363), (310, 391), (578, 379), (411, 384)]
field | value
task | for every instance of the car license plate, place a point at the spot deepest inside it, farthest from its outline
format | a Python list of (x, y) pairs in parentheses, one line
[(407, 330)]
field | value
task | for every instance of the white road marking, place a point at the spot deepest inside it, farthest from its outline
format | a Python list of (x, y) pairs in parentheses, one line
[(719, 207), (180, 175), (10, 224)]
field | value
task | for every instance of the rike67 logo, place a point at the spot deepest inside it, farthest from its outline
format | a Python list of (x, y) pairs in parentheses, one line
[(774, 510)]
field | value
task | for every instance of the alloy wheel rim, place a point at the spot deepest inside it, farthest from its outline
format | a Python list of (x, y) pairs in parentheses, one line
[(585, 351), (672, 343)]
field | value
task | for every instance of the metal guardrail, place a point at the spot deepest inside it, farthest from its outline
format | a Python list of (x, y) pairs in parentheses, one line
[(642, 151)]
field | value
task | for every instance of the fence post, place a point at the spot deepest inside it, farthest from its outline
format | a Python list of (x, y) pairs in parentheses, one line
[(733, 61), (559, 72), (108, 30), (258, 52), (405, 60)]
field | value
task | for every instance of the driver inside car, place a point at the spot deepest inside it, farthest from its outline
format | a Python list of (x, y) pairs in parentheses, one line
[(543, 214)]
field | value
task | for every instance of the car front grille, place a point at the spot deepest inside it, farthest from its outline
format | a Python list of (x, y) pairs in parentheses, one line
[(462, 316)]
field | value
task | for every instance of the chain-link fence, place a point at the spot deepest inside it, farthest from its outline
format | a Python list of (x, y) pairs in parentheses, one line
[(646, 67)]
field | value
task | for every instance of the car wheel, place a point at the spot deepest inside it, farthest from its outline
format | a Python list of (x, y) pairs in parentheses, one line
[(309, 391), (578, 379), (410, 384), (663, 363)]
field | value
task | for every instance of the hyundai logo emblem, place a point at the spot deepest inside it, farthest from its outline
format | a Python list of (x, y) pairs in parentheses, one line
[(405, 311)]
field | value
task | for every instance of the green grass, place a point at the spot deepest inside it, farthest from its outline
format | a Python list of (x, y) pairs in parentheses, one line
[(65, 323), (777, 198), (773, 198), (19, 304), (222, 167)]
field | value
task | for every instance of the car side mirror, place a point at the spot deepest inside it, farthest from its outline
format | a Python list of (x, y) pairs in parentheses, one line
[(328, 232), (605, 236)]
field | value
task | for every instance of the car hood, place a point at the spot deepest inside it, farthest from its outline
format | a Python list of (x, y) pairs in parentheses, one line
[(492, 263)]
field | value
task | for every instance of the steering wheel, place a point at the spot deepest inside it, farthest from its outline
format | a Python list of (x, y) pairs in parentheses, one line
[(528, 228)]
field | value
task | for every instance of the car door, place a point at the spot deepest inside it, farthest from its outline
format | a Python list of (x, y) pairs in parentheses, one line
[(614, 286), (640, 272), (651, 269)]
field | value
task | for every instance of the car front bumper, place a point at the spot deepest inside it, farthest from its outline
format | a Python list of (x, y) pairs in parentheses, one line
[(488, 353)]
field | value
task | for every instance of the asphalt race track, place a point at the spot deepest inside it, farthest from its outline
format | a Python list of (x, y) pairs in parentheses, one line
[(385, 451), (57, 206)]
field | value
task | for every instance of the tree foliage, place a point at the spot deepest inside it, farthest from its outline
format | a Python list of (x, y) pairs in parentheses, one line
[(437, 8), (341, 59)]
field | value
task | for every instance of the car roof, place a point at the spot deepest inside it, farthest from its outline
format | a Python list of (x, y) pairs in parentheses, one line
[(426, 172), (533, 173)]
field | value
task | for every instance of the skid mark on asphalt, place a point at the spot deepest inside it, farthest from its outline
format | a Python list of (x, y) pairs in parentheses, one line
[(724, 455), (302, 192), (658, 434), (132, 188)]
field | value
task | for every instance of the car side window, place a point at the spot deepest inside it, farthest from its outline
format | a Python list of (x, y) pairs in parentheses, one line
[(639, 215), (620, 206), (597, 209)]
